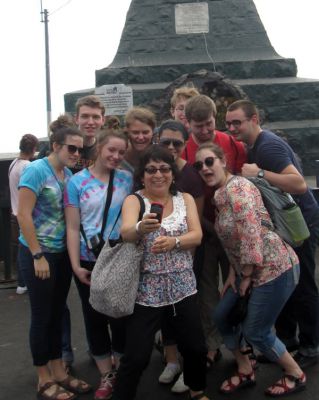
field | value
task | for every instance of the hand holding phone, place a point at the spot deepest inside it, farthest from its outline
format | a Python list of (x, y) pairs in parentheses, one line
[(157, 208)]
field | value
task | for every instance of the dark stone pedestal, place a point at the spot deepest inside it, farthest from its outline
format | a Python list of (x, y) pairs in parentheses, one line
[(153, 53)]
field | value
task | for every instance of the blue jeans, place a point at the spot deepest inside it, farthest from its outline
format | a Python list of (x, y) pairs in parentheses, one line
[(265, 303), (302, 309), (47, 301)]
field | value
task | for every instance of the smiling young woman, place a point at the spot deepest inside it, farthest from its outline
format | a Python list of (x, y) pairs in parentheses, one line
[(85, 201), (44, 260)]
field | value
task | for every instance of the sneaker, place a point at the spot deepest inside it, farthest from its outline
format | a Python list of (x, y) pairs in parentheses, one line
[(179, 386), (169, 373), (105, 389), (21, 290)]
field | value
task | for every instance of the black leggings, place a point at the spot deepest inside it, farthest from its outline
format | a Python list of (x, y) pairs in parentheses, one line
[(140, 331)]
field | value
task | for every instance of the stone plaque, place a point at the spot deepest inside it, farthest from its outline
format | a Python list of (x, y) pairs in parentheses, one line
[(117, 99), (191, 18)]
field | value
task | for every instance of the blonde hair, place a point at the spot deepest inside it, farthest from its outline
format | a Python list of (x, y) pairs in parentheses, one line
[(141, 114), (183, 93)]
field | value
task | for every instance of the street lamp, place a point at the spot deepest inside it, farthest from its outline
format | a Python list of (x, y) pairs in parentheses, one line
[(44, 19)]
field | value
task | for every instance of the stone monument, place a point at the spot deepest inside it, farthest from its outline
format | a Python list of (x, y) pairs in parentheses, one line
[(165, 39)]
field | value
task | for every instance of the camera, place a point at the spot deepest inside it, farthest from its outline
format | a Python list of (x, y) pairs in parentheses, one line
[(94, 241)]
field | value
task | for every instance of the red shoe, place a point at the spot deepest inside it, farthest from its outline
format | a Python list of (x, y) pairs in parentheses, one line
[(105, 389)]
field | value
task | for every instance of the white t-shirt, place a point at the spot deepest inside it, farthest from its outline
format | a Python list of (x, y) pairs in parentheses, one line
[(15, 171)]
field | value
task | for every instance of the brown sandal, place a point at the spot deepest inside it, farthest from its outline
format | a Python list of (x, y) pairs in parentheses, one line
[(244, 380), (299, 385), (59, 390), (79, 388)]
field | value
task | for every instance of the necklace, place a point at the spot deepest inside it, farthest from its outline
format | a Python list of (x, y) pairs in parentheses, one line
[(164, 203)]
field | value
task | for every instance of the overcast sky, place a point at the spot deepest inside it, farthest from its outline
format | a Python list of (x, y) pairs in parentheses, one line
[(84, 36)]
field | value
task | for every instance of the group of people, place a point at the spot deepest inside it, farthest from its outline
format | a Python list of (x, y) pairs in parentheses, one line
[(211, 226)]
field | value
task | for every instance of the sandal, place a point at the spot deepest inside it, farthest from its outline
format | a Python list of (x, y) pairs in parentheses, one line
[(79, 387), (59, 390), (299, 385), (244, 380), (210, 362)]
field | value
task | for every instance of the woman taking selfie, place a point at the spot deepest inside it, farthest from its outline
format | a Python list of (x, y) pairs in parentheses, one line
[(44, 260), (94, 195), (260, 262), (167, 284)]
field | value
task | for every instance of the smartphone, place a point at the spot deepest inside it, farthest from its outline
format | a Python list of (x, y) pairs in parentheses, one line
[(157, 208)]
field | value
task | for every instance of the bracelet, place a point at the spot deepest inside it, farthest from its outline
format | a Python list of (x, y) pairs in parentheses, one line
[(137, 227)]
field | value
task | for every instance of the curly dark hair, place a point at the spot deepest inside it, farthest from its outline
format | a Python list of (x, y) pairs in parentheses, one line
[(155, 153)]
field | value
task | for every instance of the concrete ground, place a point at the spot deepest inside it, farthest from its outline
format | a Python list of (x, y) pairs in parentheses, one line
[(18, 378)]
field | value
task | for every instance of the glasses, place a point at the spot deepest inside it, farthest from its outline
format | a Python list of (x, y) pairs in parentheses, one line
[(180, 108), (175, 142), (165, 169), (235, 122), (209, 162), (73, 149)]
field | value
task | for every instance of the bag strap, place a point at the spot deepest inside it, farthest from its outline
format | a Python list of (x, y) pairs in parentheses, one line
[(140, 215), (107, 206), (142, 206), (11, 167)]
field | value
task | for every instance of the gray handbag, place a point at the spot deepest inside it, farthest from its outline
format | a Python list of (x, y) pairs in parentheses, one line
[(115, 276)]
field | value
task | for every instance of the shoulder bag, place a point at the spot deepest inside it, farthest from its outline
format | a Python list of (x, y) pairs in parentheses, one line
[(115, 276)]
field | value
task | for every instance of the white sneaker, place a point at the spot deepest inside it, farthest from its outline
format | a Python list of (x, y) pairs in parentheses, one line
[(179, 386), (169, 373), (21, 290)]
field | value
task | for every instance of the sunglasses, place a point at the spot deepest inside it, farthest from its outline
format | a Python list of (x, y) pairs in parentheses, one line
[(175, 142), (209, 162), (235, 122), (163, 170), (73, 149)]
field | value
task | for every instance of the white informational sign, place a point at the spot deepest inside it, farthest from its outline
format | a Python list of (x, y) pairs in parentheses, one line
[(117, 99), (191, 18)]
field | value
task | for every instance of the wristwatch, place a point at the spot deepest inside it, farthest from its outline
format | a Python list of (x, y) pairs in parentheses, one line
[(38, 255), (177, 243), (261, 173)]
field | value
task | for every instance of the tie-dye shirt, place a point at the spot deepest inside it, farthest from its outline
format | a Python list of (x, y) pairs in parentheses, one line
[(48, 213), (87, 193)]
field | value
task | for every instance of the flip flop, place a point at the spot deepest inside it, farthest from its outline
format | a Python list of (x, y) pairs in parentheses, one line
[(299, 385)]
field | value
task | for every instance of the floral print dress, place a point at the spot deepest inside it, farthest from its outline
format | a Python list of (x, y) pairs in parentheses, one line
[(240, 211)]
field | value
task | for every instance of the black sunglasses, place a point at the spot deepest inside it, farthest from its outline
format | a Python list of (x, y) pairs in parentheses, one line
[(73, 149), (167, 142), (209, 162), (163, 170)]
